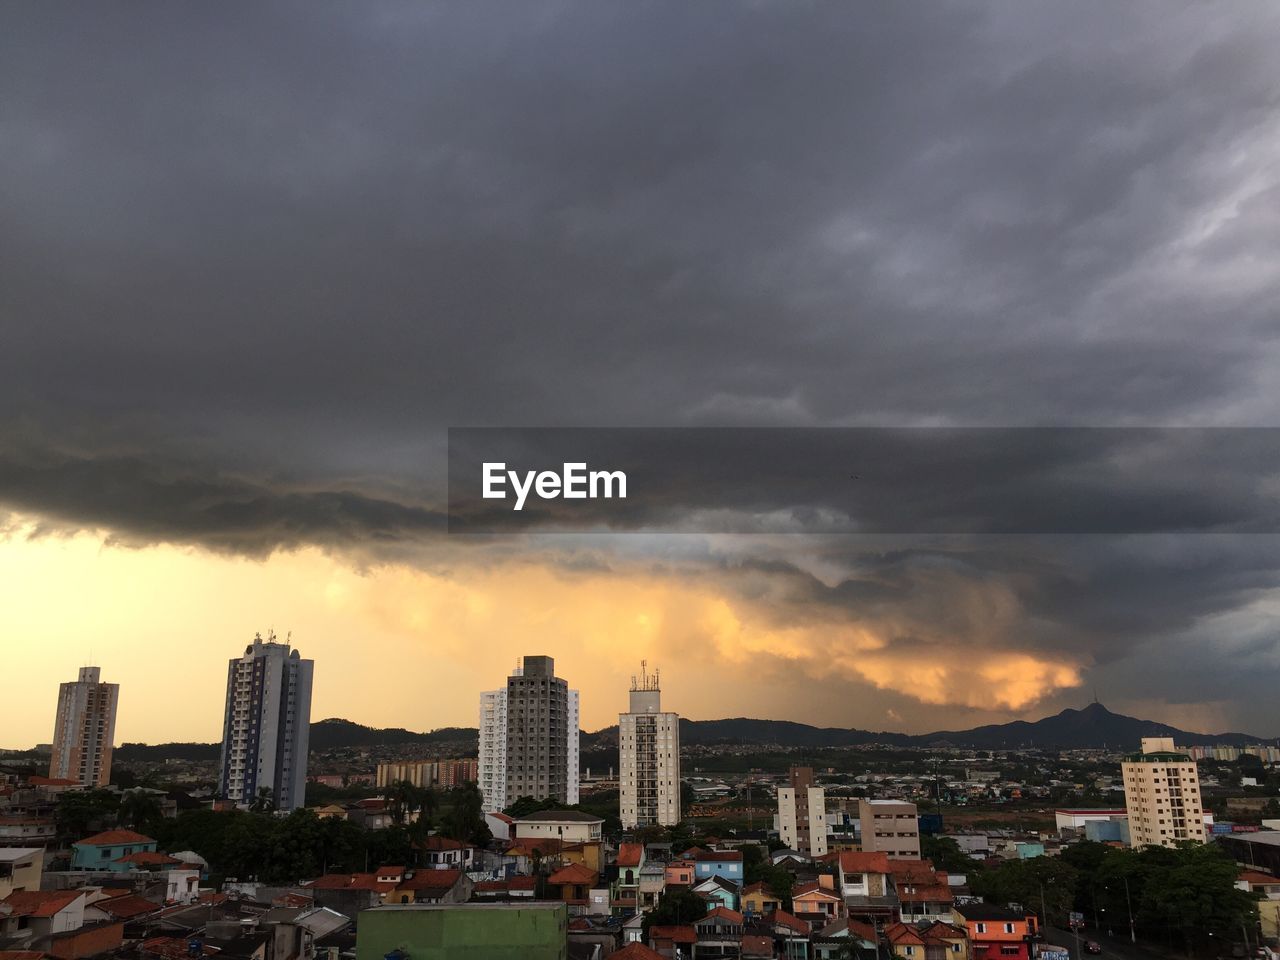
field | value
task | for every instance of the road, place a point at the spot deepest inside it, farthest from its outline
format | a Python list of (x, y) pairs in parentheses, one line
[(1113, 948)]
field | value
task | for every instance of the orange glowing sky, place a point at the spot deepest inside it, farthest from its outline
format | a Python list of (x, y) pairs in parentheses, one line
[(400, 646)]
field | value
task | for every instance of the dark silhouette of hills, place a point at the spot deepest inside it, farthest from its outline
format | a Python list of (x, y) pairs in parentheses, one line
[(1094, 726)]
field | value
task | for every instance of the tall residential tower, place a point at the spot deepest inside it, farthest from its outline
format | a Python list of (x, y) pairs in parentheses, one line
[(529, 737), (267, 725), (649, 755), (1162, 793), (85, 729), (802, 814)]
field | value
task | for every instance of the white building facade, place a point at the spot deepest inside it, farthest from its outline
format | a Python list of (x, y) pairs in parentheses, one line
[(649, 758)]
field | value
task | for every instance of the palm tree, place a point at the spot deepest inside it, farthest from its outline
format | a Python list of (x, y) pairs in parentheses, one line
[(264, 802)]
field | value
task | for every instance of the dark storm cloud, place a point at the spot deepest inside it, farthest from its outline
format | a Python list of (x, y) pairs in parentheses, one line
[(254, 258), (144, 502)]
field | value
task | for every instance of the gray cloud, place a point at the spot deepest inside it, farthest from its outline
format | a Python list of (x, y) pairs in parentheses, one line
[(255, 258)]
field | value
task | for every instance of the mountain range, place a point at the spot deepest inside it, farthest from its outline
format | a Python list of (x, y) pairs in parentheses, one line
[(1093, 726)]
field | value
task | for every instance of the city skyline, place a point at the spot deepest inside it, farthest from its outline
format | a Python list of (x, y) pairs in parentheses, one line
[(243, 315)]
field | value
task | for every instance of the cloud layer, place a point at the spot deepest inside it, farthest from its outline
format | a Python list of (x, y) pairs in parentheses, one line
[(255, 259)]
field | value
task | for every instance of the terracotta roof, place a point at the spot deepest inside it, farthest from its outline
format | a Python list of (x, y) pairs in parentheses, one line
[(127, 907), (630, 854), (725, 914), (40, 903), (805, 889), (33, 955), (522, 883), (759, 887), (756, 946), (574, 873), (673, 934), (344, 881), (111, 838), (901, 933), (1254, 876), (864, 862), (635, 951), (431, 880), (783, 919), (500, 816), (944, 931), (387, 870)]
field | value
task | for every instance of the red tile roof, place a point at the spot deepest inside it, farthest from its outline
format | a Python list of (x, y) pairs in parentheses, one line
[(864, 862), (111, 838), (522, 883), (127, 907), (725, 914), (630, 854), (1257, 877), (635, 951), (720, 856), (442, 843), (756, 946), (681, 934), (808, 889), (441, 880), (574, 873), (40, 903), (781, 918)]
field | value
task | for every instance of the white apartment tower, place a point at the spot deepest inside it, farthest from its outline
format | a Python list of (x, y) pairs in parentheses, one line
[(1162, 794), (649, 757), (529, 737), (266, 727), (802, 814), (85, 729)]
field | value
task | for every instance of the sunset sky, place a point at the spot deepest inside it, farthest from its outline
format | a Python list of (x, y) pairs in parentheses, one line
[(256, 259)]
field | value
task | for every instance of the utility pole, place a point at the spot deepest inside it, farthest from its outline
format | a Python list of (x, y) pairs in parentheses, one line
[(1133, 937)]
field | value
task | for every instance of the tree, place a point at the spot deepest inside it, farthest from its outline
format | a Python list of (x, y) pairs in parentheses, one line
[(465, 819), (139, 809), (675, 907), (1197, 896), (945, 853), (1044, 885), (80, 812), (264, 801)]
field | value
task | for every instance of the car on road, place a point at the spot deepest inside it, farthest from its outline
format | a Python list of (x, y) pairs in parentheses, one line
[(1092, 946)]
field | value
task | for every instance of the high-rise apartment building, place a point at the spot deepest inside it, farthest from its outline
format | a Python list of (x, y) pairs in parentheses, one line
[(1162, 795), (892, 827), (529, 737), (85, 729), (649, 755), (266, 727), (802, 814)]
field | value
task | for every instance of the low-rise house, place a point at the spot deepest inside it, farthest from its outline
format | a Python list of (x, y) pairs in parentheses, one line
[(755, 946), (25, 830), (679, 873), (817, 901), (997, 933), (832, 941), (924, 894), (20, 869), (445, 853), (667, 940), (510, 888), (719, 933), (718, 891), (572, 886), (432, 886), (40, 913), (758, 899), (718, 863), (111, 850), (791, 935), (567, 826), (653, 881), (866, 888)]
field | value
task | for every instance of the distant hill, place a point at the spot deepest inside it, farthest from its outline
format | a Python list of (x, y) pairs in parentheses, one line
[(1094, 726), (334, 733)]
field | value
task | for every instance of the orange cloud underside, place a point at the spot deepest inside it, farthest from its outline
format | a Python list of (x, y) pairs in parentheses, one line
[(400, 646)]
